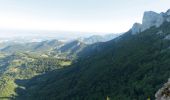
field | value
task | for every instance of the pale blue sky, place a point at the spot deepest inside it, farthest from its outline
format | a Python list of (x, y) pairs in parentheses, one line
[(113, 16)]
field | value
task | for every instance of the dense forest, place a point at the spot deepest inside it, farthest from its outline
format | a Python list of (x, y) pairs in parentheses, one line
[(24, 66)]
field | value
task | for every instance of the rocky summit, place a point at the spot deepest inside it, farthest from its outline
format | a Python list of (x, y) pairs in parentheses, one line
[(151, 19)]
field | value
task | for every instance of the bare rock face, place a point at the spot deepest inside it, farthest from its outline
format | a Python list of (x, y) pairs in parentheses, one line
[(167, 37), (164, 92), (151, 19), (168, 12), (168, 15), (136, 28)]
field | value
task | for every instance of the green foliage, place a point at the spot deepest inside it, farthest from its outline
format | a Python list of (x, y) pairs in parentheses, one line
[(24, 66), (7, 86)]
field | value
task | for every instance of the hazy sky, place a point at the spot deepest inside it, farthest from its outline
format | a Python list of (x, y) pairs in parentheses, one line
[(76, 15)]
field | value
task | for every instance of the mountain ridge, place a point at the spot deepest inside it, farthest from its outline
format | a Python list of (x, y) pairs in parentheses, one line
[(150, 19)]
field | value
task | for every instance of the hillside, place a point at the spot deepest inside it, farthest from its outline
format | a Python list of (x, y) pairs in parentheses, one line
[(70, 49), (24, 66), (43, 46), (131, 68), (98, 38)]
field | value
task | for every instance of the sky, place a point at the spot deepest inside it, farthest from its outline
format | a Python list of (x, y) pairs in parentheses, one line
[(100, 16)]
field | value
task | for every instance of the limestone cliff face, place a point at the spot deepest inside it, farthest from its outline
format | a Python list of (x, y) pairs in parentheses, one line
[(150, 19), (168, 15), (164, 92), (136, 28), (168, 12)]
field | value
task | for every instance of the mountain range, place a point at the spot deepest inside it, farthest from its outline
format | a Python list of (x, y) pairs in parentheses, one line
[(132, 66), (57, 47), (97, 38)]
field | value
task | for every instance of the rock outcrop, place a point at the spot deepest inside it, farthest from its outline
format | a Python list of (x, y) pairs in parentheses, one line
[(164, 92), (136, 28), (151, 19), (168, 12)]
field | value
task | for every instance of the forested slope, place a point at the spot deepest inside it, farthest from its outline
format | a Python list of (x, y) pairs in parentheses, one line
[(132, 67)]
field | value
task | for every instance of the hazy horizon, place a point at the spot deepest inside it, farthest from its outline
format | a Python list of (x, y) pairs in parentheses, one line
[(46, 35), (89, 16)]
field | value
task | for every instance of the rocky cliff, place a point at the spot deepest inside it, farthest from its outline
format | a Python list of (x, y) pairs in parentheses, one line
[(151, 19), (164, 92)]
